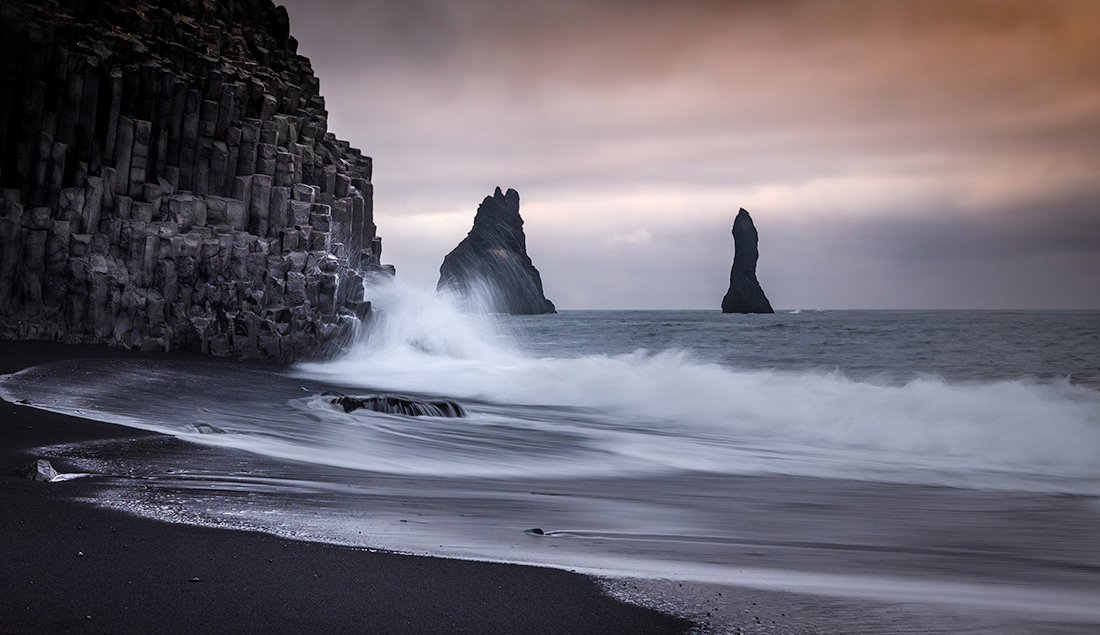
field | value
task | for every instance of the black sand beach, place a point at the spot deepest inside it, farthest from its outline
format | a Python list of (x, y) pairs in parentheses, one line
[(71, 567)]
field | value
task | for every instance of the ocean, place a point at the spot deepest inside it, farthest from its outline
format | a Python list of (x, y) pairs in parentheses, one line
[(947, 462)]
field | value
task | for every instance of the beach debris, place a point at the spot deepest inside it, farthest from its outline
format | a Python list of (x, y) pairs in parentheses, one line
[(262, 195), (397, 405), (40, 470)]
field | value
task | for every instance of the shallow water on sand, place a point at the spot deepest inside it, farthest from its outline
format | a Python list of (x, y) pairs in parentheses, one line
[(937, 459)]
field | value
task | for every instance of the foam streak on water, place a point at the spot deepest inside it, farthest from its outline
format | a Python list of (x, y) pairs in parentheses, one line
[(670, 409), (688, 445)]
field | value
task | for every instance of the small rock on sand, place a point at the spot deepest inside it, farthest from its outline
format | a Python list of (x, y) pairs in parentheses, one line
[(40, 470)]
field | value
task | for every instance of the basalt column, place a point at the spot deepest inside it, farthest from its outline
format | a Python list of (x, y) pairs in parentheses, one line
[(168, 180)]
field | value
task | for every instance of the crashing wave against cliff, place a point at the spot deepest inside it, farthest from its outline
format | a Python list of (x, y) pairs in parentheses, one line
[(491, 264)]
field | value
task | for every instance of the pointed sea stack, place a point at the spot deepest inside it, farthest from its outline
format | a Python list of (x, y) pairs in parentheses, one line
[(492, 261), (745, 294)]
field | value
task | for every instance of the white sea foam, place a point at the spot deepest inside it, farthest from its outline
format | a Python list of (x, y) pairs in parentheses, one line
[(577, 415), (679, 412)]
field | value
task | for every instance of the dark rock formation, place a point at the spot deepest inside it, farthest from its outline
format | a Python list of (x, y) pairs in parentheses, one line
[(206, 428), (393, 404), (167, 181), (745, 294), (492, 264)]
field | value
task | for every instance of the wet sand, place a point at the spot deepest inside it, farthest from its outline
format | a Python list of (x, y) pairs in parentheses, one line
[(69, 566)]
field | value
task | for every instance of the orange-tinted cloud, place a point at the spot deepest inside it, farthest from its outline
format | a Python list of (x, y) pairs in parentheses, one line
[(611, 115)]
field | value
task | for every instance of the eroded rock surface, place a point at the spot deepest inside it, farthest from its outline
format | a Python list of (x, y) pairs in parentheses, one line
[(491, 264), (167, 180)]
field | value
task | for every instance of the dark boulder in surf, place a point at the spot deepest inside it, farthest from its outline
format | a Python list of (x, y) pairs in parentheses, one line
[(745, 294), (396, 405), (168, 181), (492, 264), (206, 428)]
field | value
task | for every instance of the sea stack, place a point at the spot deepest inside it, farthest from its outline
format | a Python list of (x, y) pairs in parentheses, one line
[(745, 294), (491, 264), (168, 181)]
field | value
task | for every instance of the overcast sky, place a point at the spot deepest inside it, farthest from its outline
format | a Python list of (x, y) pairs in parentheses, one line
[(892, 154)]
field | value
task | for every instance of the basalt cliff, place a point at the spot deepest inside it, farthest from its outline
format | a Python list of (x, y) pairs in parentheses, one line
[(168, 181), (745, 294), (491, 264)]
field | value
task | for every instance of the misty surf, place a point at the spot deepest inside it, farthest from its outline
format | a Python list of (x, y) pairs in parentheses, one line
[(846, 453)]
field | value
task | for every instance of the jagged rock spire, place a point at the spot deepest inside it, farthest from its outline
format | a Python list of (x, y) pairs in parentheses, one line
[(745, 294), (491, 264)]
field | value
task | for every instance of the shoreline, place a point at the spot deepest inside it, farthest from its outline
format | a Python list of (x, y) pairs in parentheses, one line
[(164, 510), (138, 575)]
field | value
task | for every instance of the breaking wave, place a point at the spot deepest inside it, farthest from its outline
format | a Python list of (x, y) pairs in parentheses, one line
[(577, 413), (686, 413)]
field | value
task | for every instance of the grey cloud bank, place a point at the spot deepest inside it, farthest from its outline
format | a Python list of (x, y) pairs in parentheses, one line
[(894, 155)]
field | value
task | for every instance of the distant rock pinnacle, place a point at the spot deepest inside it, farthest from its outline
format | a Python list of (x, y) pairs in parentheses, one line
[(745, 294), (492, 264)]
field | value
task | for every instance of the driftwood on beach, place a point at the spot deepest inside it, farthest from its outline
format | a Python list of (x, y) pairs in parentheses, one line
[(167, 181)]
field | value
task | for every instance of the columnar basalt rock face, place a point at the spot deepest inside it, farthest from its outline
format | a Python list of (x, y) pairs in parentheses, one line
[(167, 180), (745, 294), (492, 264)]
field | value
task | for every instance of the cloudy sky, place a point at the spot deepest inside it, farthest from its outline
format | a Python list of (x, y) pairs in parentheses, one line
[(892, 154)]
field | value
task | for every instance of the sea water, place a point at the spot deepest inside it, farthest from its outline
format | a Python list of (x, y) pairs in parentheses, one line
[(938, 457)]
